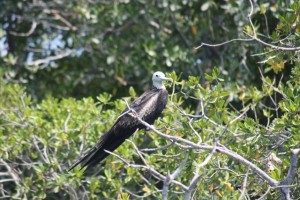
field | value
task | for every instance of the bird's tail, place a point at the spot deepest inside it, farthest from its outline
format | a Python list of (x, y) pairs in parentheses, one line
[(97, 153), (93, 155), (84, 159)]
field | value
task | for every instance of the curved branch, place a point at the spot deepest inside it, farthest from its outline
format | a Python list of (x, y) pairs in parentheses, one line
[(251, 37), (283, 186), (31, 30), (223, 43), (14, 176), (50, 58), (292, 173), (197, 176), (170, 177), (219, 148), (150, 169)]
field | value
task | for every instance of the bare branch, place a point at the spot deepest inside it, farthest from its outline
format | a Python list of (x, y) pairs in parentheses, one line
[(265, 194), (14, 176), (254, 36), (63, 20), (246, 109), (66, 122), (31, 30), (250, 20), (222, 149), (6, 180), (197, 176), (285, 191), (223, 43), (170, 177), (158, 148), (283, 185), (43, 156), (194, 131), (273, 46), (244, 185), (153, 171), (57, 15), (251, 37), (50, 58)]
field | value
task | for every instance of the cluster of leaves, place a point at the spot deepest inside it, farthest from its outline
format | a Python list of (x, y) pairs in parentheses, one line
[(40, 140), (83, 48), (75, 49), (285, 34)]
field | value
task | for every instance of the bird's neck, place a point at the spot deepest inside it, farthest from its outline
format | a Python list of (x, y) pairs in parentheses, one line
[(158, 85)]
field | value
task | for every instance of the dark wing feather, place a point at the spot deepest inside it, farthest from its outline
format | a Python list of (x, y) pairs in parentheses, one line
[(147, 106), (139, 102)]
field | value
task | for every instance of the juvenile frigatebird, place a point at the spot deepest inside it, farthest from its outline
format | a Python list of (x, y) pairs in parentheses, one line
[(147, 107)]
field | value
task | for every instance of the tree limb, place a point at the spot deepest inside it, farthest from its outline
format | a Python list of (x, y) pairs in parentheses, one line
[(285, 191), (251, 37)]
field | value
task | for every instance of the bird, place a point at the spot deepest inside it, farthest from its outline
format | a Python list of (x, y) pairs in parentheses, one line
[(147, 107)]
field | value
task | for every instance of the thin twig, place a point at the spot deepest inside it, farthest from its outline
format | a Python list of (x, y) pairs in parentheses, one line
[(244, 185), (158, 148), (50, 58), (222, 149), (31, 30), (285, 190), (170, 177), (253, 37), (223, 43), (11, 172), (153, 171)]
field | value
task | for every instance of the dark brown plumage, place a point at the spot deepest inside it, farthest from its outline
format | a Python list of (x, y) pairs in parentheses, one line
[(148, 107)]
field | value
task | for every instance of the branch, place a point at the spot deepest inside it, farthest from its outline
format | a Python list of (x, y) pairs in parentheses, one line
[(283, 186), (157, 148), (197, 177), (273, 46), (57, 16), (244, 186), (194, 131), (44, 155), (254, 36), (265, 194), (50, 58), (251, 37), (170, 177), (31, 30), (14, 176), (150, 169), (223, 43), (220, 149), (292, 173)]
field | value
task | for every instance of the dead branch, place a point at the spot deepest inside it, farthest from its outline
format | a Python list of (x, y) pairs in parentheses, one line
[(31, 30), (292, 173), (50, 58), (253, 37)]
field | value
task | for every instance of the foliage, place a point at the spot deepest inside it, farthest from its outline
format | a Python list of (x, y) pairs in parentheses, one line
[(66, 64), (40, 140), (78, 49)]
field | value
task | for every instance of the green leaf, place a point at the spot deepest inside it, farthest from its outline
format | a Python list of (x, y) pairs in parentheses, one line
[(205, 6), (132, 92), (262, 9), (110, 59)]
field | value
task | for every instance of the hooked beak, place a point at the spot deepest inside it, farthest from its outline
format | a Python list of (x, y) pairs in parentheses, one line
[(167, 79)]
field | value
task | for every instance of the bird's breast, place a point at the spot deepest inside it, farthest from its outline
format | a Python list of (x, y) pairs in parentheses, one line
[(154, 107)]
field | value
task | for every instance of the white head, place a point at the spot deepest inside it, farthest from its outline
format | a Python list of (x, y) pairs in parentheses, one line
[(158, 78)]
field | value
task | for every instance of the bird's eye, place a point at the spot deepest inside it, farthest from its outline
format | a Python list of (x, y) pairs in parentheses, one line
[(156, 75)]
